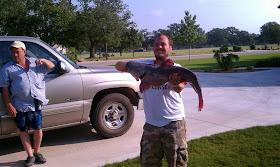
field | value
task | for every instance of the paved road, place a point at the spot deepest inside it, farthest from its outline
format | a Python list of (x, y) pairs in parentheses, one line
[(231, 101), (111, 62)]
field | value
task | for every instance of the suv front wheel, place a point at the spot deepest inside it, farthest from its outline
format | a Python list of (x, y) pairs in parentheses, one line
[(113, 115)]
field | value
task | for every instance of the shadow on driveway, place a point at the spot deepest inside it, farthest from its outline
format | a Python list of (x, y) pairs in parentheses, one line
[(57, 137)]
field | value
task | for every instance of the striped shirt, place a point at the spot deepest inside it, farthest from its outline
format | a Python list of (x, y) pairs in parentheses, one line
[(25, 86)]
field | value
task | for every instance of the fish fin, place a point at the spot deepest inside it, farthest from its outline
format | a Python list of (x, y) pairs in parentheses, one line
[(144, 86), (135, 76)]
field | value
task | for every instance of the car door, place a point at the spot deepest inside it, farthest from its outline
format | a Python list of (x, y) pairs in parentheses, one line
[(64, 91)]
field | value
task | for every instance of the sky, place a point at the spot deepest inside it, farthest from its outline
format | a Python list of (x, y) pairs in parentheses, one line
[(245, 15)]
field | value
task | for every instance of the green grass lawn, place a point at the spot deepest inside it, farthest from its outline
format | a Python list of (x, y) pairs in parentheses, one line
[(257, 147), (210, 63)]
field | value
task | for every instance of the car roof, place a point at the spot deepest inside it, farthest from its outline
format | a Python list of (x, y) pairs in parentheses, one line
[(19, 38)]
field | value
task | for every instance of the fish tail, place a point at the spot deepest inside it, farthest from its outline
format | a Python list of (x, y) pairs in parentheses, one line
[(197, 89), (200, 106)]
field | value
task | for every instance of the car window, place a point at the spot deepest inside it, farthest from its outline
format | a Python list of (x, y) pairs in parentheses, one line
[(37, 51), (32, 50), (5, 54)]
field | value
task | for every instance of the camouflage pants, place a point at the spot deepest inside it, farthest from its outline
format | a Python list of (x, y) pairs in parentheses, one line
[(170, 140)]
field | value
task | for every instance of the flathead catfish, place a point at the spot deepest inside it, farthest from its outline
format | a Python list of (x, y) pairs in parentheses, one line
[(157, 75)]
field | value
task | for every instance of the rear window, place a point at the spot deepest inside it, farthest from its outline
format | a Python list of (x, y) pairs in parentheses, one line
[(5, 54)]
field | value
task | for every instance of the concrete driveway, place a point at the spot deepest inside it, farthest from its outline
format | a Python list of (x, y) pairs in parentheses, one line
[(234, 101), (231, 101)]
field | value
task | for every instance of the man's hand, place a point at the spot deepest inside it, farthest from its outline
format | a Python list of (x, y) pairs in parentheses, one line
[(11, 110), (120, 66), (48, 63), (175, 80)]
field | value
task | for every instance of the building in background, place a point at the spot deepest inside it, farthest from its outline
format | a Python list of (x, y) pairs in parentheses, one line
[(61, 49)]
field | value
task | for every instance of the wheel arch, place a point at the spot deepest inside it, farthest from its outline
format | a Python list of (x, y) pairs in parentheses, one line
[(128, 92)]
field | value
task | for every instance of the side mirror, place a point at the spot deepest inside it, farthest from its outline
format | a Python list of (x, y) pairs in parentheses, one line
[(63, 67)]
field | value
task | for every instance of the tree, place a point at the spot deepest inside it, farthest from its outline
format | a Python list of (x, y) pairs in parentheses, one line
[(203, 41), (130, 39), (232, 35), (245, 38), (217, 37), (49, 19), (124, 45), (102, 23), (135, 39), (189, 31), (14, 17), (173, 31), (270, 32), (146, 38)]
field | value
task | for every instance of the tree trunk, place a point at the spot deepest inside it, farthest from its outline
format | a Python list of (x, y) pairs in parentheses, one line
[(99, 53), (106, 51), (91, 55), (190, 53), (120, 53)]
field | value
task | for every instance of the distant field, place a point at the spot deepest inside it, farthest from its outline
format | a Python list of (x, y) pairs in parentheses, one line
[(150, 54)]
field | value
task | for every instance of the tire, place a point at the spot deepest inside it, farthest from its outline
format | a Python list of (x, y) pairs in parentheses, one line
[(113, 115)]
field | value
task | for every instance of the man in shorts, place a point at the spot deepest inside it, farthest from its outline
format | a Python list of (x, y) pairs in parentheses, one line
[(23, 90)]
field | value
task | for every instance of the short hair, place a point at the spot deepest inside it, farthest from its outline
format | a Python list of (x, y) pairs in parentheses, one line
[(170, 41)]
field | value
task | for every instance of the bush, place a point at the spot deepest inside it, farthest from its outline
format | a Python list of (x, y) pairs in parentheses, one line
[(149, 48), (225, 62), (224, 48), (72, 54), (272, 62), (249, 67), (72, 57), (104, 55), (237, 49), (265, 47), (252, 47)]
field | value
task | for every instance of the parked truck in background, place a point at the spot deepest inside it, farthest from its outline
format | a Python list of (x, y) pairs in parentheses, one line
[(76, 94)]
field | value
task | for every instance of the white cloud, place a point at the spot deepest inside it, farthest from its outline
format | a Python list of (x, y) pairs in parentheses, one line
[(158, 12)]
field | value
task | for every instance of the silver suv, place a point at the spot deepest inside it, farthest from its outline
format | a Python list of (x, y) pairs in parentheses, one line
[(77, 93)]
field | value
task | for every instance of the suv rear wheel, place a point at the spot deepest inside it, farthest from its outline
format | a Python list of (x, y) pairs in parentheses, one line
[(113, 115)]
